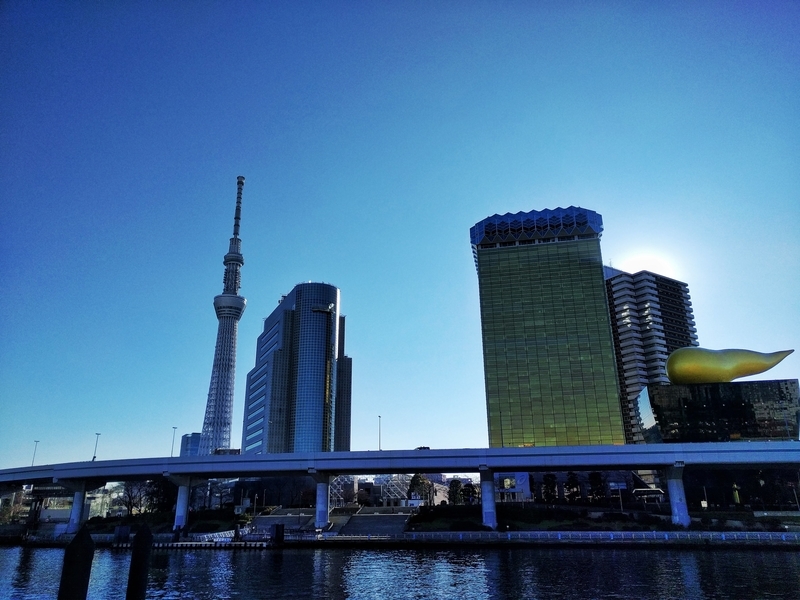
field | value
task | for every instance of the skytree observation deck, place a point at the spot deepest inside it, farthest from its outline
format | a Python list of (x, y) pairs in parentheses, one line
[(229, 307)]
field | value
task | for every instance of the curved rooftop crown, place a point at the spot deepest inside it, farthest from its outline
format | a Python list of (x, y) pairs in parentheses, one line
[(537, 224)]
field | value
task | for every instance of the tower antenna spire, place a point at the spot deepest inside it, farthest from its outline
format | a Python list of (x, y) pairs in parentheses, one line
[(238, 215), (229, 306)]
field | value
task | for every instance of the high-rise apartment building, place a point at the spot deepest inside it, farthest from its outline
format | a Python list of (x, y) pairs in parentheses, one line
[(651, 317), (229, 307), (298, 393), (547, 347)]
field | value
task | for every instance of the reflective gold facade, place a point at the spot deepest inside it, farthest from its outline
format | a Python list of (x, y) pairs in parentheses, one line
[(548, 354)]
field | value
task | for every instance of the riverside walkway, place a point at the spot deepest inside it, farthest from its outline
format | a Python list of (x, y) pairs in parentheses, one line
[(761, 539)]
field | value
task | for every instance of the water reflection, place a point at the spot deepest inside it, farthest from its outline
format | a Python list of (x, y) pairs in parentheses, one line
[(22, 574), (463, 574), (690, 577), (32, 568), (109, 574)]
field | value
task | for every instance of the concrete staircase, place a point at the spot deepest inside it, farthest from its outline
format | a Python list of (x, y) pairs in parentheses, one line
[(293, 519), (343, 521), (376, 523)]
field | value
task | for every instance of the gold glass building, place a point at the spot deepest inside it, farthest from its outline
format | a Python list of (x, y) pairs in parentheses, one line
[(548, 353)]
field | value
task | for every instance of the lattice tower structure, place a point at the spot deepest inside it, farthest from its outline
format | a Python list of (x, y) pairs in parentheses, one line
[(229, 307), (338, 490), (393, 487)]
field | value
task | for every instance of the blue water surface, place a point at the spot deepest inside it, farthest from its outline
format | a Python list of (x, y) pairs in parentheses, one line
[(405, 574)]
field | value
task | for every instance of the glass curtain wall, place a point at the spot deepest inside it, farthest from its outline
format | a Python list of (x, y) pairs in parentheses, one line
[(548, 351)]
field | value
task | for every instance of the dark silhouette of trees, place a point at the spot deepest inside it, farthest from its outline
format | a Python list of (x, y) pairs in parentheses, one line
[(471, 493), (572, 489), (421, 488), (455, 492), (597, 486), (363, 498), (160, 495), (550, 488)]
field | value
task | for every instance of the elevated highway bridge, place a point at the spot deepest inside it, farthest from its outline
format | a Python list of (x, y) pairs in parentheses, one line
[(672, 458)]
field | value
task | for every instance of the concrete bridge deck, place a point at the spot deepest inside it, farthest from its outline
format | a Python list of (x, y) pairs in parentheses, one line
[(80, 476)]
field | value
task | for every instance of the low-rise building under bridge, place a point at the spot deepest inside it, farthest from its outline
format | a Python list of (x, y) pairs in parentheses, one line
[(322, 466)]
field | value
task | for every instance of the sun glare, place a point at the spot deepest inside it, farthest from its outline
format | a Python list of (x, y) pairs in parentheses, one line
[(648, 261)]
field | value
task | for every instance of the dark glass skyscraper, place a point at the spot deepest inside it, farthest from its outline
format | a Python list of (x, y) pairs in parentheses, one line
[(547, 348), (720, 412), (298, 393)]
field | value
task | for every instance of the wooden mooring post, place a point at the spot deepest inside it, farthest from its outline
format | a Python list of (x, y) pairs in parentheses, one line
[(140, 564), (77, 568)]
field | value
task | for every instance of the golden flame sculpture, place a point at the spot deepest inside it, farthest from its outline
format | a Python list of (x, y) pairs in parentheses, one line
[(698, 365)]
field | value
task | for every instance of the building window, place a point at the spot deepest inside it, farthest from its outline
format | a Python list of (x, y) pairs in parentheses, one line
[(254, 423), (254, 434)]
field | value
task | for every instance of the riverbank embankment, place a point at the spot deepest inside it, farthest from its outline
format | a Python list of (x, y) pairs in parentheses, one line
[(689, 539)]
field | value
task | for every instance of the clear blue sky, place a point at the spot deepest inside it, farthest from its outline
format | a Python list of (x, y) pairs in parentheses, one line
[(372, 136)]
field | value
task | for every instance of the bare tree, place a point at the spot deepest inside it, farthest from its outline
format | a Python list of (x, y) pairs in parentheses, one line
[(10, 508), (130, 494)]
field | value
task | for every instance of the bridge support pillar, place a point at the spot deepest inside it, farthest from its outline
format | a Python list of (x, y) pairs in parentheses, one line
[(323, 499), (487, 498), (76, 513), (677, 496), (181, 508)]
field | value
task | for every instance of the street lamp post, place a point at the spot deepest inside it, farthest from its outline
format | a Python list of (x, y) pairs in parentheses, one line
[(794, 489), (172, 450), (35, 445), (96, 439), (379, 432)]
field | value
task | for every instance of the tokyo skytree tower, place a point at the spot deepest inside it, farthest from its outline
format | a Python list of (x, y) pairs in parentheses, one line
[(229, 306)]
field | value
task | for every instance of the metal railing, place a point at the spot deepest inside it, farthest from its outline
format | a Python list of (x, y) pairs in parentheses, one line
[(772, 537), (455, 537), (219, 536)]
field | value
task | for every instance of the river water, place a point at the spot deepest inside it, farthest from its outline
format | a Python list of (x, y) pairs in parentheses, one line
[(405, 574)]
